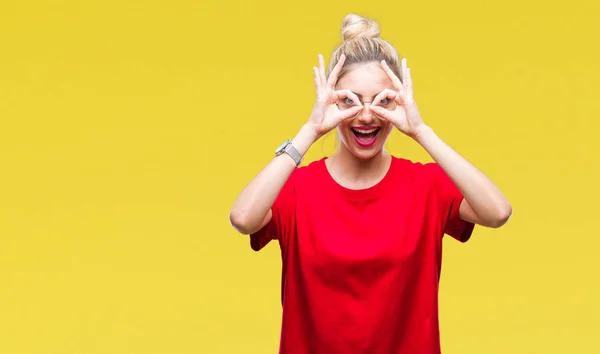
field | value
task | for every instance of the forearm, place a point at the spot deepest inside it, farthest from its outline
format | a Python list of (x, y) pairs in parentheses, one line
[(256, 199), (483, 196)]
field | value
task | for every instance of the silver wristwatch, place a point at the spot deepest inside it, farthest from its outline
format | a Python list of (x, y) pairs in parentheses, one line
[(289, 149)]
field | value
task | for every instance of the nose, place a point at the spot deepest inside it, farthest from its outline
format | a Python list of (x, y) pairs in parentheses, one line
[(366, 116)]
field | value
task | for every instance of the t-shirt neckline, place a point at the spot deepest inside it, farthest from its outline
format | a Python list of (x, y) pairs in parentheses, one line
[(373, 190)]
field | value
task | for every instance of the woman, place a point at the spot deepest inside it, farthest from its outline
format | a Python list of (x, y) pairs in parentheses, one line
[(361, 231)]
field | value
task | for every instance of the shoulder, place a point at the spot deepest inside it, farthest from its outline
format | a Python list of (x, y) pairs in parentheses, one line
[(423, 175), (414, 168), (432, 177), (312, 170)]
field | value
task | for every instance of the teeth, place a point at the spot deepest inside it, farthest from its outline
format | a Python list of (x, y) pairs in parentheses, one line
[(366, 131)]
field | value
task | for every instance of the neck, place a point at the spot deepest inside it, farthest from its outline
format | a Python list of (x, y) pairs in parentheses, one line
[(359, 172)]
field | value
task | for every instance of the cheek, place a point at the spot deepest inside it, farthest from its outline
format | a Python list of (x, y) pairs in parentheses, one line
[(344, 124), (343, 128), (387, 127)]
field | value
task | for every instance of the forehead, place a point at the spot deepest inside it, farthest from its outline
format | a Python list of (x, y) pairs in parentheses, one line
[(365, 79)]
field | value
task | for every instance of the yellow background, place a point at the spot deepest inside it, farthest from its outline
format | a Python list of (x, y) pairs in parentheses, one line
[(128, 128)]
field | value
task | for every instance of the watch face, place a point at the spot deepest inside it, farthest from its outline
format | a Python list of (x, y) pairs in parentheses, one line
[(281, 147)]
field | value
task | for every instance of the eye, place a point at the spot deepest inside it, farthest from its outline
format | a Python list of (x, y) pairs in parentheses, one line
[(348, 101), (384, 101)]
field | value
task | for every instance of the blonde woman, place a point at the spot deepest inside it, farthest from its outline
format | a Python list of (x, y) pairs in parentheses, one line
[(361, 231)]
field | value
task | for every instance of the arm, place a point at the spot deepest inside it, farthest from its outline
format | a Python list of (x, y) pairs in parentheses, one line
[(483, 203), (252, 208)]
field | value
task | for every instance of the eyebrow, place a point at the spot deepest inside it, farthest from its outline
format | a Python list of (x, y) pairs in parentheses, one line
[(357, 94), (360, 97)]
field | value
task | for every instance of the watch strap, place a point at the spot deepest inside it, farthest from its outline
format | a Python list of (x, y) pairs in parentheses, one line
[(288, 148), (294, 154)]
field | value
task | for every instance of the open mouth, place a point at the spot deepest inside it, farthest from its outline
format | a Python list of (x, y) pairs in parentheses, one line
[(365, 136)]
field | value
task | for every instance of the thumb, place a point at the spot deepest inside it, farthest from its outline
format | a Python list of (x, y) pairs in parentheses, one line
[(349, 113), (382, 112)]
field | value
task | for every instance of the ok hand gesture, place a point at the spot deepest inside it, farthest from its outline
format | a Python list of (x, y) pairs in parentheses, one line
[(404, 115), (326, 115)]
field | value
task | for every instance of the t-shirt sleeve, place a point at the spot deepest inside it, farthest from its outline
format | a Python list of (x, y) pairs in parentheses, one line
[(450, 199), (282, 220)]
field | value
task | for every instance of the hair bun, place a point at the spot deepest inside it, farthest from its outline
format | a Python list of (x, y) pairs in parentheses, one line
[(356, 26)]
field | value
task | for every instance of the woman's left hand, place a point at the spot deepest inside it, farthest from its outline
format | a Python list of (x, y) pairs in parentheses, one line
[(398, 106)]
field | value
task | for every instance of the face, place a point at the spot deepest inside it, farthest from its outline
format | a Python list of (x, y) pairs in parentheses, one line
[(365, 134)]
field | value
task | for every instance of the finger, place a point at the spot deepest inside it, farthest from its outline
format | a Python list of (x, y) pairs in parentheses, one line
[(347, 94), (382, 113), (387, 93), (349, 113), (405, 73), (317, 78), (390, 73), (335, 72), (408, 78), (401, 97), (408, 87), (322, 68)]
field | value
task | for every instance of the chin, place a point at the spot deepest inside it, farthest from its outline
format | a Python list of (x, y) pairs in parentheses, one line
[(366, 143)]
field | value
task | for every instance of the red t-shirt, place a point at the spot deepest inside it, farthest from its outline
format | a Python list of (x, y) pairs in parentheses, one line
[(360, 268)]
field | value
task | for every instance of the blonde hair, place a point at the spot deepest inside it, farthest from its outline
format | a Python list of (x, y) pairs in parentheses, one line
[(362, 44)]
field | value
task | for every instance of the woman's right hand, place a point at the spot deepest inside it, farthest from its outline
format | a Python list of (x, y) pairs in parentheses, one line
[(326, 115), (252, 208)]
